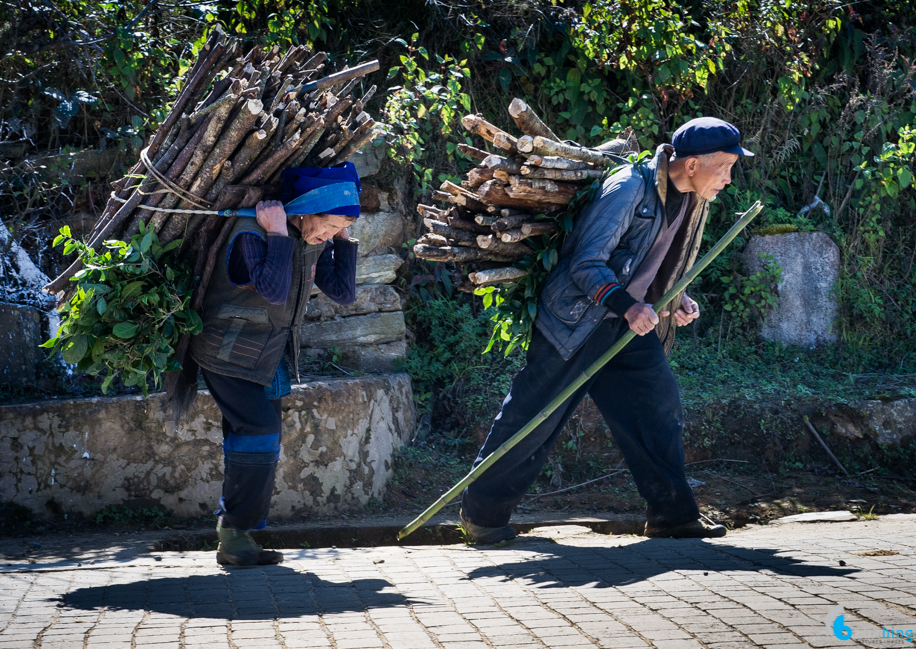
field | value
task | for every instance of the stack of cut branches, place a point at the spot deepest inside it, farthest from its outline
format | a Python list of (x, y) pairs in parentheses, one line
[(514, 194), (224, 143), (237, 123)]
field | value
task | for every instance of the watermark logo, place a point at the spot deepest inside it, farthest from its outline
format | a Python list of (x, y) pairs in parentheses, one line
[(836, 623)]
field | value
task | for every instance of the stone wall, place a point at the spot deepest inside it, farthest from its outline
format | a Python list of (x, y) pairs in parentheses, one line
[(369, 335), (79, 456)]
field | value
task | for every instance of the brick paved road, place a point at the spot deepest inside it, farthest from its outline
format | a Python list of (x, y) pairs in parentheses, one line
[(559, 587)]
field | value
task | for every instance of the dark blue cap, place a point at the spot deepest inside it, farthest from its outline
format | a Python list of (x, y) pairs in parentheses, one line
[(707, 135), (300, 180)]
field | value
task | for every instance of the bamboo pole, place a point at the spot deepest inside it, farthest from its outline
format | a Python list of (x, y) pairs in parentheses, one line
[(675, 290)]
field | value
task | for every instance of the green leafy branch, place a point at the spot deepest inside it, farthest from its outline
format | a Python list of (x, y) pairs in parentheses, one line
[(755, 294), (130, 307)]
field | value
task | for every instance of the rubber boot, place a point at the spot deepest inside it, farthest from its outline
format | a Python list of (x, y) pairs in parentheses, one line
[(238, 548), (486, 535)]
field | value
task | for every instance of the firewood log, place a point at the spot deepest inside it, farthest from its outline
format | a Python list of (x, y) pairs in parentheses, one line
[(457, 253), (527, 120), (445, 196), (472, 152), (527, 230), (541, 227), (553, 162), (510, 222), (465, 224), (478, 176), (492, 243), (453, 189), (544, 147), (496, 276), (506, 143), (430, 239), (499, 163), (565, 175), (428, 211), (456, 236), (479, 126), (545, 191), (471, 202), (495, 194)]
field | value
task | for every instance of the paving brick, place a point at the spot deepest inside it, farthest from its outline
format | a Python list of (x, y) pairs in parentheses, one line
[(759, 587)]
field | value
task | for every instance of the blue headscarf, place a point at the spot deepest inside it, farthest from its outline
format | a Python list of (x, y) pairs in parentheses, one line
[(301, 180)]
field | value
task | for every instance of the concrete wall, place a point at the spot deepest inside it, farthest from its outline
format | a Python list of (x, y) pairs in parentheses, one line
[(80, 456), (807, 305)]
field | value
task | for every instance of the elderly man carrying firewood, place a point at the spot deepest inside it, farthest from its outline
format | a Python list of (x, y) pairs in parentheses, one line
[(250, 340), (628, 247)]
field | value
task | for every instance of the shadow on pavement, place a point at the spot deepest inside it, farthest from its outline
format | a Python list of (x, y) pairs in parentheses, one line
[(602, 567), (262, 593)]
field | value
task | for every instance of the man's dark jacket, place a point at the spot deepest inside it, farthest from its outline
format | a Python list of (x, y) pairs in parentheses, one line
[(611, 238)]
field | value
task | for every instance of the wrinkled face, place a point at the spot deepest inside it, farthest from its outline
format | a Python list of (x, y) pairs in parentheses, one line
[(318, 228), (710, 173)]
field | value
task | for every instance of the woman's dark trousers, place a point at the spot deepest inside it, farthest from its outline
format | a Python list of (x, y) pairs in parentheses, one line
[(638, 397), (251, 449)]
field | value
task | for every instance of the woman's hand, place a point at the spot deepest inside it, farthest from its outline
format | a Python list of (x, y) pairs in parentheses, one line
[(343, 233), (272, 216)]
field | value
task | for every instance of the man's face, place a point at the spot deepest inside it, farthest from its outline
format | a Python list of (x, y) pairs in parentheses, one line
[(711, 173), (318, 228)]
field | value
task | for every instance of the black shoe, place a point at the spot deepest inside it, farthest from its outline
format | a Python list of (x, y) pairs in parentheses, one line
[(693, 530), (486, 535)]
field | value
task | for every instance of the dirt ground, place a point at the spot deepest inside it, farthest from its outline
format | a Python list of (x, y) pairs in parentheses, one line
[(726, 492)]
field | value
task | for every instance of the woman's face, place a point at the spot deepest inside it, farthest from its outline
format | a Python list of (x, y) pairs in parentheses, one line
[(318, 228)]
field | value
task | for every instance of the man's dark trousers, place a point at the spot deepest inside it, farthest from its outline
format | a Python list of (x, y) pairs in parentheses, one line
[(251, 449), (638, 396)]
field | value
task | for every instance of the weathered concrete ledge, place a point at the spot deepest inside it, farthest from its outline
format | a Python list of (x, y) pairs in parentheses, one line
[(79, 456)]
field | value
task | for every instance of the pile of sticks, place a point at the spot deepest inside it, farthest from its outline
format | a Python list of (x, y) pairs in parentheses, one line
[(511, 195), (236, 124)]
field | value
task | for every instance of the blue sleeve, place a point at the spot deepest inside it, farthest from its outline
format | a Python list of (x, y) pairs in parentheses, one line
[(266, 264), (598, 230), (335, 272)]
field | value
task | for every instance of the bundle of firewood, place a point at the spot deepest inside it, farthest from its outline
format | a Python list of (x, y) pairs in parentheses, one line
[(236, 124), (515, 193)]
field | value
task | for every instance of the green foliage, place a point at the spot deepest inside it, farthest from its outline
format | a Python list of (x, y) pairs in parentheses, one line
[(428, 104), (130, 306), (752, 295), (451, 379), (279, 21)]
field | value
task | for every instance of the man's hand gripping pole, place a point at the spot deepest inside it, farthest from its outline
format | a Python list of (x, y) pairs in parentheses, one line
[(692, 274)]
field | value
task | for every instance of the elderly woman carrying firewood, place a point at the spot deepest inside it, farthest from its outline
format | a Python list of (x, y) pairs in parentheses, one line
[(250, 339)]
